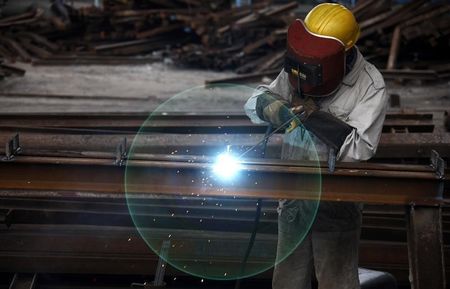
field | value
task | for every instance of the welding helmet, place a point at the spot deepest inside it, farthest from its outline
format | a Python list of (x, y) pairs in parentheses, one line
[(315, 58)]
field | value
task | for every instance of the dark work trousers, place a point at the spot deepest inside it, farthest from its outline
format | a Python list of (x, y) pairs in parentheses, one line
[(330, 247)]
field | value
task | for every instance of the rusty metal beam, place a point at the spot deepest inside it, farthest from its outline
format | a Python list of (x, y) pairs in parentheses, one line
[(23, 281), (392, 146), (371, 183), (420, 132), (119, 250), (57, 60), (425, 248), (133, 122)]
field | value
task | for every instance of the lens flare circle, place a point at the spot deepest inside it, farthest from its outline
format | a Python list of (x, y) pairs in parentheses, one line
[(188, 185)]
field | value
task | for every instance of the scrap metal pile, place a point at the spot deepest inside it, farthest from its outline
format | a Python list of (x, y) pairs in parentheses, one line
[(215, 35)]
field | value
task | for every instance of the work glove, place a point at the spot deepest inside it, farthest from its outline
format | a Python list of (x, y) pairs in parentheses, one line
[(303, 109), (328, 128), (274, 109)]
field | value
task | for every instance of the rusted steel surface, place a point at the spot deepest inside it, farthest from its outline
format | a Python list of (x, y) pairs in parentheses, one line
[(71, 176), (23, 281), (391, 74), (396, 36), (63, 60), (170, 120), (391, 147), (120, 250), (236, 215), (405, 135), (425, 248)]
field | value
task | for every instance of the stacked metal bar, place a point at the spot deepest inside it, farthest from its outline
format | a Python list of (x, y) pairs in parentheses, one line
[(204, 34), (63, 184)]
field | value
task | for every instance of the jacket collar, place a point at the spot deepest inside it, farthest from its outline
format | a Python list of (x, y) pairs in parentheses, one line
[(352, 76)]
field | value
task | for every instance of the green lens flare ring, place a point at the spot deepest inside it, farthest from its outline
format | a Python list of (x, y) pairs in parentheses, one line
[(186, 205)]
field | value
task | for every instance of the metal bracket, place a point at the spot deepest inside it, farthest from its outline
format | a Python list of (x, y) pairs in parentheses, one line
[(121, 152), (23, 281), (331, 160), (160, 270), (437, 163), (5, 217), (12, 148)]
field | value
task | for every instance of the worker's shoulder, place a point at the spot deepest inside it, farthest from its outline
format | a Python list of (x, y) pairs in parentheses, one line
[(374, 75)]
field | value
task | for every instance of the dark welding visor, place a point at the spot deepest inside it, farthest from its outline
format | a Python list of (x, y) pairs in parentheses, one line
[(315, 63), (310, 74)]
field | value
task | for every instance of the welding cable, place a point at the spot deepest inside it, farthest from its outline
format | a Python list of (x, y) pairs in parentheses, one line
[(258, 210), (251, 242), (269, 132)]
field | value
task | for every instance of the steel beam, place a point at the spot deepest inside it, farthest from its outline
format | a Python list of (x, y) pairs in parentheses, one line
[(370, 183), (120, 250), (151, 176), (200, 134), (23, 281), (208, 122), (425, 248)]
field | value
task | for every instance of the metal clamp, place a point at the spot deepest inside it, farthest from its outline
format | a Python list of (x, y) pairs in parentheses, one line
[(437, 163), (331, 160), (160, 270), (12, 148), (5, 217), (121, 152)]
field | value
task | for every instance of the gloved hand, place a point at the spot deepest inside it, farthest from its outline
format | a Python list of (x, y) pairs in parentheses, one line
[(303, 109), (274, 109), (328, 128)]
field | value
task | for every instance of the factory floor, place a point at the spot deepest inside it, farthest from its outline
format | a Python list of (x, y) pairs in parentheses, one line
[(141, 88)]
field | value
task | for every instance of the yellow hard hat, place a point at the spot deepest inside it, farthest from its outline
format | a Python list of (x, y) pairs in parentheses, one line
[(334, 20)]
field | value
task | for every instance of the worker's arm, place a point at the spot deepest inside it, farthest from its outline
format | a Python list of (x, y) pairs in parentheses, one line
[(278, 90), (366, 119)]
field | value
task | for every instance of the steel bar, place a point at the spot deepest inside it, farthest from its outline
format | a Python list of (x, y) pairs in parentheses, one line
[(425, 248), (12, 69), (14, 46), (39, 40), (30, 17), (77, 142), (245, 78), (56, 120), (396, 36), (399, 15), (218, 214), (387, 74), (71, 176), (23, 281), (184, 122), (395, 46), (91, 60), (119, 250)]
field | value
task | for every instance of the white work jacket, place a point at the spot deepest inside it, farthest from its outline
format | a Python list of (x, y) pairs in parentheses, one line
[(361, 102)]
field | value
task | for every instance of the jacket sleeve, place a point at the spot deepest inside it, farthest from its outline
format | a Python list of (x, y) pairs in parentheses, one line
[(367, 120), (279, 86)]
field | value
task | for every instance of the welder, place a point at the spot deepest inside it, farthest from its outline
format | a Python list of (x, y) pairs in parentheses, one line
[(327, 88)]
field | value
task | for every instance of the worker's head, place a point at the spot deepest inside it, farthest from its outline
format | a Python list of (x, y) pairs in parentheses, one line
[(316, 49)]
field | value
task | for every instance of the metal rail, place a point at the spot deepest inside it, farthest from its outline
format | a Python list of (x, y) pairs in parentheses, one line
[(185, 122), (416, 187), (369, 183), (415, 134), (96, 175), (88, 249)]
